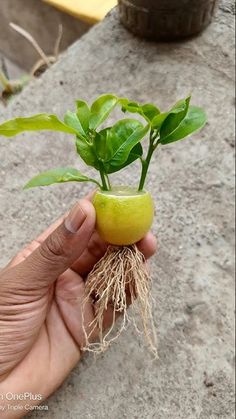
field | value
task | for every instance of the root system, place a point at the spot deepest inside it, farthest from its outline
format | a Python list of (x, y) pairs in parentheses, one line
[(118, 280)]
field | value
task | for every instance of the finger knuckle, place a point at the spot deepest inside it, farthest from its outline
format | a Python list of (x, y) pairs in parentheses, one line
[(53, 247)]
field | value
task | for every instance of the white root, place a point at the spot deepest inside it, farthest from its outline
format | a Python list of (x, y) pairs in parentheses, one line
[(119, 279)]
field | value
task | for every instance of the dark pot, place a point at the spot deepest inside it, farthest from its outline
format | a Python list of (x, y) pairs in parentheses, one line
[(166, 19)]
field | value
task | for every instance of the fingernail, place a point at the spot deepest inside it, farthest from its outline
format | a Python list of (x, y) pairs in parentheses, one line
[(75, 219)]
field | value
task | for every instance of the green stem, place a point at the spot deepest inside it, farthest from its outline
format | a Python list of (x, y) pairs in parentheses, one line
[(96, 183), (103, 179), (4, 80), (146, 162), (108, 181), (145, 165)]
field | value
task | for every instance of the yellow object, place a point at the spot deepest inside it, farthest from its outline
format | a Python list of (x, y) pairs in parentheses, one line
[(124, 215), (91, 11)]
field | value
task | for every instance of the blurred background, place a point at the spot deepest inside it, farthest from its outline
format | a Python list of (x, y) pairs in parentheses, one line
[(33, 33)]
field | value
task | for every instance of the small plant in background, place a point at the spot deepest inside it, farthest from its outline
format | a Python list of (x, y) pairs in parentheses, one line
[(10, 87), (124, 213)]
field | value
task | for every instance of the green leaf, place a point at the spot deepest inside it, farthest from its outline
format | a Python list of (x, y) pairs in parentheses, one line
[(71, 119), (193, 121), (158, 120), (122, 153), (101, 109), (147, 111), (87, 153), (59, 175), (176, 115), (102, 144), (150, 111), (38, 122), (127, 106), (109, 140), (120, 132), (83, 113), (134, 154), (170, 120)]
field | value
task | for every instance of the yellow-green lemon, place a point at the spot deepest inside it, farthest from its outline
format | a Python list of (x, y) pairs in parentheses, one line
[(124, 215)]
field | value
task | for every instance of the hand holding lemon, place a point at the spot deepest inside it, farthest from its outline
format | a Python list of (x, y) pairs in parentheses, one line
[(123, 214)]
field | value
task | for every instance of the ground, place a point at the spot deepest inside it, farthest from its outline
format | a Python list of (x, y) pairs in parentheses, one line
[(193, 187)]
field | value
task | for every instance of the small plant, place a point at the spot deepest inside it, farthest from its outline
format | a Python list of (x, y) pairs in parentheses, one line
[(13, 87), (124, 214)]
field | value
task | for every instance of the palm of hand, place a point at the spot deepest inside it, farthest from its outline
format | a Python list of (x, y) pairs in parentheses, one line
[(46, 335), (50, 329)]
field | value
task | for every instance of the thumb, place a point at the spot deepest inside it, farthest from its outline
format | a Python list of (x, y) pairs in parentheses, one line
[(61, 248)]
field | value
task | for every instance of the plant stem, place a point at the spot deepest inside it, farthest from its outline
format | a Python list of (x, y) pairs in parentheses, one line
[(108, 181), (96, 183), (146, 162), (145, 165), (103, 179), (4, 80)]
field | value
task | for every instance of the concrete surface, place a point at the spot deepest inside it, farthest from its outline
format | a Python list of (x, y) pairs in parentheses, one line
[(42, 21), (192, 183)]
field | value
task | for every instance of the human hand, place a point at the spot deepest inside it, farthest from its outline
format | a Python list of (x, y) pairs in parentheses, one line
[(41, 294)]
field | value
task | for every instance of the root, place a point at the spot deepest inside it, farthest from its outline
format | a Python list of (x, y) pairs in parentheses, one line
[(119, 279)]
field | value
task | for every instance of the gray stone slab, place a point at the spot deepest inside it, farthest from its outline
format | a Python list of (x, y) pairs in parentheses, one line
[(192, 184)]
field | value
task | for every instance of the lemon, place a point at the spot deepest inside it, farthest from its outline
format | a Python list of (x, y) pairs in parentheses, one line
[(124, 215)]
